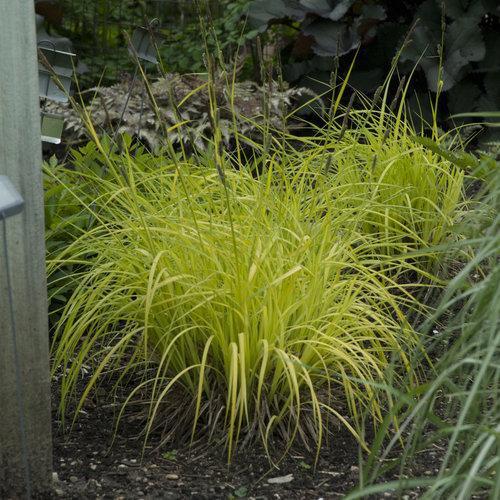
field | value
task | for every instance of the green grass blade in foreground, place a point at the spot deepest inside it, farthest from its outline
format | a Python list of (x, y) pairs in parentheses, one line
[(460, 410)]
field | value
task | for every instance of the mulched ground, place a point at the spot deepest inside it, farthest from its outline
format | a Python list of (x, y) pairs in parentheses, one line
[(85, 466)]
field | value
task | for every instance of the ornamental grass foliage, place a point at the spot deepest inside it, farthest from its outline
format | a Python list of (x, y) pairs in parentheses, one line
[(457, 411), (240, 298)]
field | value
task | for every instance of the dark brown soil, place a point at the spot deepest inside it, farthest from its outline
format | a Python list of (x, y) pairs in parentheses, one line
[(86, 466)]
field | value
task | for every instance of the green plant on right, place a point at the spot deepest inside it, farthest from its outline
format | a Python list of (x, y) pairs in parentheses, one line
[(490, 119), (457, 412)]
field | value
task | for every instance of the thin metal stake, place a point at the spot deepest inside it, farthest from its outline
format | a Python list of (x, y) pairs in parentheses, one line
[(129, 93), (139, 125)]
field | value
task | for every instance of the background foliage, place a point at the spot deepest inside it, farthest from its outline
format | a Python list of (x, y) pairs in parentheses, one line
[(180, 107), (96, 29), (454, 44)]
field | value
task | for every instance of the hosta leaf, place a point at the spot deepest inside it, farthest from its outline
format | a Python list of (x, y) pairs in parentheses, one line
[(367, 80), (463, 97), (491, 61), (293, 71), (465, 41), (488, 103), (320, 7), (332, 38), (458, 9), (340, 9), (331, 9), (463, 44), (377, 12), (422, 47), (262, 11)]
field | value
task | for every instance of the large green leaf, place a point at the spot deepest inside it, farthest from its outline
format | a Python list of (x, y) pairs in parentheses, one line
[(332, 38), (458, 9), (491, 61), (463, 44), (426, 35), (331, 9), (340, 9), (320, 7), (370, 11), (261, 12), (464, 97), (463, 61)]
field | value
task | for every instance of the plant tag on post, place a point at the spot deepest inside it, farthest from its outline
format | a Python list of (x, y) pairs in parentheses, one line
[(145, 42), (11, 202), (52, 128)]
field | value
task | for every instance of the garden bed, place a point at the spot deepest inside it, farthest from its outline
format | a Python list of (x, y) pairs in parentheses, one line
[(86, 466)]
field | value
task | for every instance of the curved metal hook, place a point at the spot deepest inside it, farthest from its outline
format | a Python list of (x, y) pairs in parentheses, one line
[(154, 24), (51, 44)]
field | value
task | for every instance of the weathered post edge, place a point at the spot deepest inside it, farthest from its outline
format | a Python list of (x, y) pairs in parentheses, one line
[(20, 160)]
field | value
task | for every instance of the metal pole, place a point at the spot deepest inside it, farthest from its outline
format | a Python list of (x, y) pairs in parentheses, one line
[(20, 160)]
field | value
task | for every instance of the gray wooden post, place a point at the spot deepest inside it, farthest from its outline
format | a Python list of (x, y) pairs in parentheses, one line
[(20, 160)]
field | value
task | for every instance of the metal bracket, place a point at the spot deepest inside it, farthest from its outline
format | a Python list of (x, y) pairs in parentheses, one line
[(145, 41), (49, 89), (55, 72), (52, 128), (11, 202), (61, 62)]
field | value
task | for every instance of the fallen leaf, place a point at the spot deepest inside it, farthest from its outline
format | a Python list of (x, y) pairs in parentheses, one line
[(281, 479), (241, 492)]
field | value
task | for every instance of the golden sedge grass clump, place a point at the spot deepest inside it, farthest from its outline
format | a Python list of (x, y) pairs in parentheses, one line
[(249, 311), (242, 304)]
